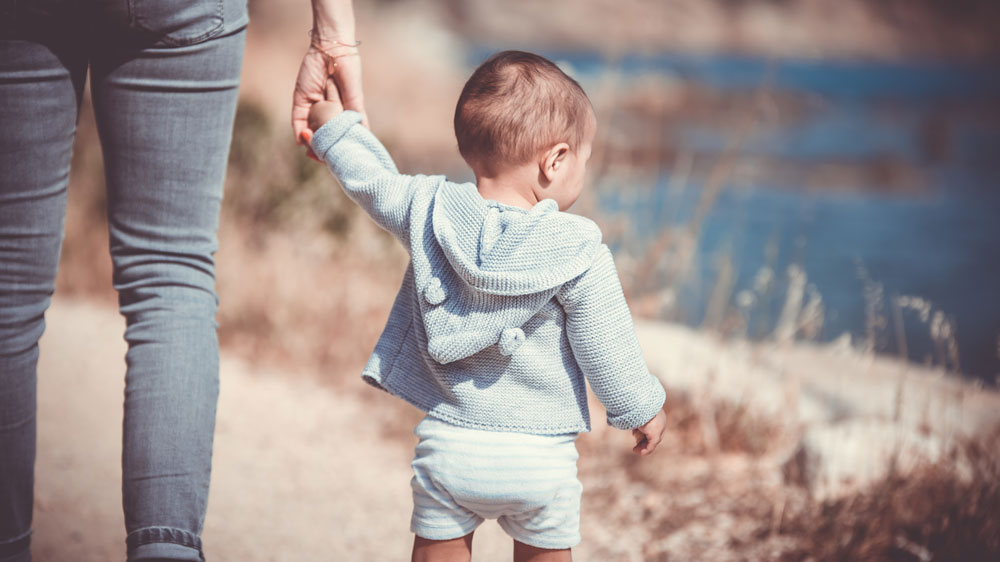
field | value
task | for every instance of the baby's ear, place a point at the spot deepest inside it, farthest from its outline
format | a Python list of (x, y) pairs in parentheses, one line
[(553, 160)]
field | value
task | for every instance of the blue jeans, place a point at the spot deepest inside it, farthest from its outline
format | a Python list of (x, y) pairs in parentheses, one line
[(164, 77)]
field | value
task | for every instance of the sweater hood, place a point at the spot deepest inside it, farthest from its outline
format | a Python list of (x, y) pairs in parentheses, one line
[(502, 250), (503, 265)]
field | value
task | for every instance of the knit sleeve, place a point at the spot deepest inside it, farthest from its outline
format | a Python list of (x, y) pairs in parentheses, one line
[(366, 171), (602, 336)]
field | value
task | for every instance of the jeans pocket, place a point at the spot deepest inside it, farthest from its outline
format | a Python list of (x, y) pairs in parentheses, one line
[(177, 22)]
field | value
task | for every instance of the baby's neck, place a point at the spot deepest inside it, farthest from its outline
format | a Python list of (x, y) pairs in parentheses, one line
[(514, 187)]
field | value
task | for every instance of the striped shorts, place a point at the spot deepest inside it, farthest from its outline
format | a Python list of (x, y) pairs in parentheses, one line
[(526, 482)]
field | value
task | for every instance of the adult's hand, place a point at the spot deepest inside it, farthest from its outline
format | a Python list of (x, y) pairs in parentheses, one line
[(331, 67), (325, 76)]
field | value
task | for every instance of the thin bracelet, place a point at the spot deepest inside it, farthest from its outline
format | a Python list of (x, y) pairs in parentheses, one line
[(317, 43), (331, 60)]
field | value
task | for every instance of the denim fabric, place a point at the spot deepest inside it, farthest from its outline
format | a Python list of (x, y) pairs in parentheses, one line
[(164, 77)]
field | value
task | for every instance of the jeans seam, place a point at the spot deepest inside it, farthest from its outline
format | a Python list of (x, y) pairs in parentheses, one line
[(149, 535)]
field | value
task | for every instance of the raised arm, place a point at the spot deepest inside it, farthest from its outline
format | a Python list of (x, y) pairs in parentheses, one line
[(367, 172), (331, 64), (603, 340)]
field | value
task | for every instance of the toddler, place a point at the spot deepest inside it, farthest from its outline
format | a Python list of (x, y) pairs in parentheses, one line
[(508, 305)]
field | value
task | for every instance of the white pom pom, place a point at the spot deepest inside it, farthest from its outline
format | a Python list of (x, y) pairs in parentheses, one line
[(510, 340), (434, 292)]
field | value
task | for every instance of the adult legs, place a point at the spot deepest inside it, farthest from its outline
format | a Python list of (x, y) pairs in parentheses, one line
[(165, 118), (41, 83)]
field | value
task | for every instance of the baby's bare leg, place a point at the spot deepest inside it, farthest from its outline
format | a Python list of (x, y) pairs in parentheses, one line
[(528, 553), (453, 550)]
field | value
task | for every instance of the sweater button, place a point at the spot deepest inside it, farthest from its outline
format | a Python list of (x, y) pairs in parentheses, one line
[(434, 293), (510, 340)]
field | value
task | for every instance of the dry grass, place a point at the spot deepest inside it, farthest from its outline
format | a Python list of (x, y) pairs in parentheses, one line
[(943, 512), (299, 303), (305, 282), (684, 503), (704, 426)]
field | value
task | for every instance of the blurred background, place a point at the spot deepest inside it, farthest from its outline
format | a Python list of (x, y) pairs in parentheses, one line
[(802, 199)]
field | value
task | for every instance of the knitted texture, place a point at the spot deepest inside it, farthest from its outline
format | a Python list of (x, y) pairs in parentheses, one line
[(503, 313)]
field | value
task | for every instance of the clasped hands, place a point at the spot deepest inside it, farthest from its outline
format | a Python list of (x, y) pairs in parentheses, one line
[(329, 82)]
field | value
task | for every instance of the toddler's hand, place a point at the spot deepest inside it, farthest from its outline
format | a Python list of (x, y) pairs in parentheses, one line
[(648, 436), (323, 111), (319, 113)]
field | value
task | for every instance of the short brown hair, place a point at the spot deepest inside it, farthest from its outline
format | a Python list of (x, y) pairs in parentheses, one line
[(515, 105)]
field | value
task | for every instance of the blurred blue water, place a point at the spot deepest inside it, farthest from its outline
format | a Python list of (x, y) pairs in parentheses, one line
[(939, 240), (940, 246)]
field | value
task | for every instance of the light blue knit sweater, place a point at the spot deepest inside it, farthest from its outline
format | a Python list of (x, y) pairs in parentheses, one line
[(503, 312)]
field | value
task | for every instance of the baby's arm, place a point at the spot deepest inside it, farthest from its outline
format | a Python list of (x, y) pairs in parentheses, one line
[(601, 333), (363, 166)]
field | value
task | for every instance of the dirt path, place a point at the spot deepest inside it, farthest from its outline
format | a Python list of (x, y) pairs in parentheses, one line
[(300, 473)]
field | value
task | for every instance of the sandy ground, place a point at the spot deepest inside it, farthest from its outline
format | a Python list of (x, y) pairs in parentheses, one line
[(300, 473)]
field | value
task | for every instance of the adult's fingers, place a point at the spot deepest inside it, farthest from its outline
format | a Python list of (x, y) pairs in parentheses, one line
[(305, 139), (300, 125), (333, 93), (348, 83), (310, 87)]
